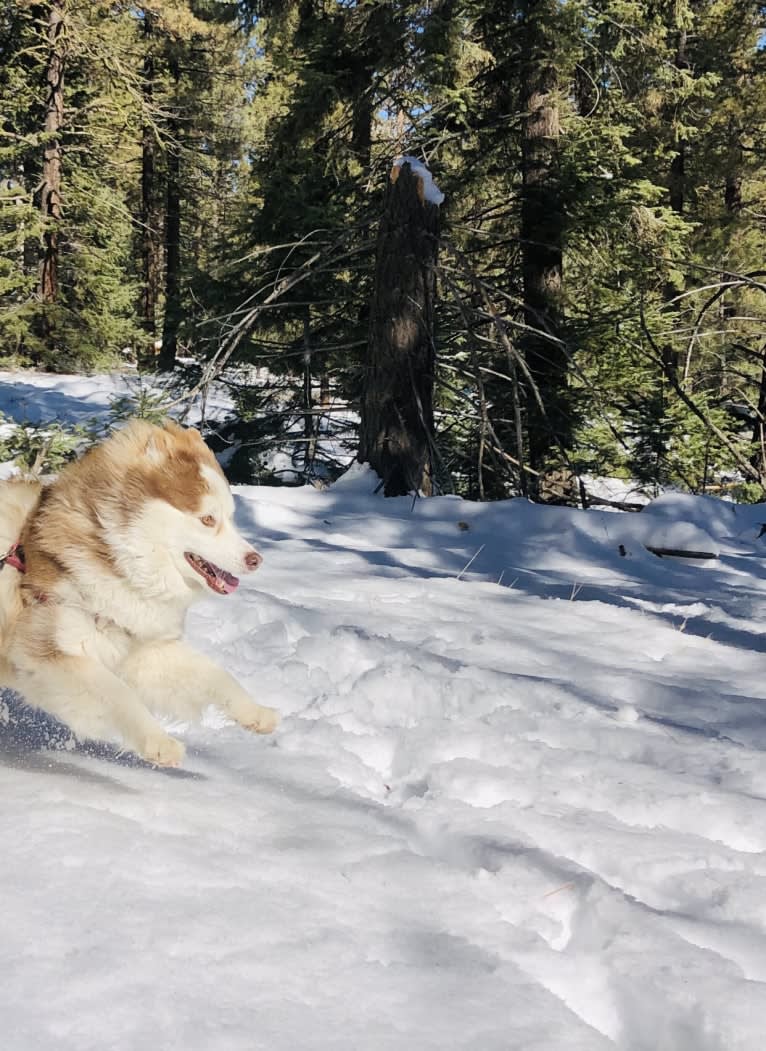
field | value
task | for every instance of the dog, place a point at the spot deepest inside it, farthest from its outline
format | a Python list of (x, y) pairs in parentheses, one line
[(100, 568)]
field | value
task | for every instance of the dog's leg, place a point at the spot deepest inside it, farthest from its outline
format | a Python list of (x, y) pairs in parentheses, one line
[(181, 681), (95, 704)]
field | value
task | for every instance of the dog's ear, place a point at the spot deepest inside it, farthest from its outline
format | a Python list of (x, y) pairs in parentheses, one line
[(141, 438), (172, 440), (156, 446), (178, 433), (153, 452), (194, 435)]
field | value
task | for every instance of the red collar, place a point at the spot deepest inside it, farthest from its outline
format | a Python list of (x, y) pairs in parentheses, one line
[(15, 558)]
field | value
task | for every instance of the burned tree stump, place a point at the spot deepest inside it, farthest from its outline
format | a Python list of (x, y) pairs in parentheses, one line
[(397, 399)]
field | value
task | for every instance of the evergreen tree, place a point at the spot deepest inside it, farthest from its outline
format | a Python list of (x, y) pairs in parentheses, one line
[(62, 156), (210, 176)]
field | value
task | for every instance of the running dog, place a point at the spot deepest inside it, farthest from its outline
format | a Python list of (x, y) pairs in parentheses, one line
[(98, 570)]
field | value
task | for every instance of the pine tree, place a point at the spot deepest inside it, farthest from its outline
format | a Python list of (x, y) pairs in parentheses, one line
[(168, 167), (60, 156), (188, 49)]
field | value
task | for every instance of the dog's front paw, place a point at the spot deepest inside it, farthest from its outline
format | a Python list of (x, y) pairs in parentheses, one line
[(260, 720), (162, 750)]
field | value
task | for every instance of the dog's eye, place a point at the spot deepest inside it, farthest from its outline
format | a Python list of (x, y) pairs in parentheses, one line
[(208, 520)]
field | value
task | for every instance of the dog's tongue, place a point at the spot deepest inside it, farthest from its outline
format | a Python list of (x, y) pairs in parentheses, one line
[(227, 581)]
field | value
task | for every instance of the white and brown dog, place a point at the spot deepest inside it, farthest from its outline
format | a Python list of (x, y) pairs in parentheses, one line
[(100, 567)]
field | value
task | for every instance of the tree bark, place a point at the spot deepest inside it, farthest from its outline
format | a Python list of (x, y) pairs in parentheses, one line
[(677, 179), (733, 192), (542, 223), (151, 245), (309, 427), (50, 195), (733, 183), (677, 198), (172, 318), (758, 457), (397, 423)]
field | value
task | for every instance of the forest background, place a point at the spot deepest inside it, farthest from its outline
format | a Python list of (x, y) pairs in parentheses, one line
[(197, 187)]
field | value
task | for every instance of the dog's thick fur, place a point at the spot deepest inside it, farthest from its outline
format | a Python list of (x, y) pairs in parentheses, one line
[(116, 550)]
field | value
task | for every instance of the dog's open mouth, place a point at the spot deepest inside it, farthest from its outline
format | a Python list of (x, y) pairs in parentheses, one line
[(217, 579)]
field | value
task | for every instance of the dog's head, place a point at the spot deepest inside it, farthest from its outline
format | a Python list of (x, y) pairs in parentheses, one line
[(177, 533)]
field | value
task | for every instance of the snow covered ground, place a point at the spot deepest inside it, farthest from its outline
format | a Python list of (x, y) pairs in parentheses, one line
[(96, 401), (30, 397), (514, 804)]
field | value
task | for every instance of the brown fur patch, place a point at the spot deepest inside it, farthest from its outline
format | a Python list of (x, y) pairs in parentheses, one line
[(41, 577), (65, 520), (168, 467), (38, 626)]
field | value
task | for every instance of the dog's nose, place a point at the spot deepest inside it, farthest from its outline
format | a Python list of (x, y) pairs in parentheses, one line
[(253, 560)]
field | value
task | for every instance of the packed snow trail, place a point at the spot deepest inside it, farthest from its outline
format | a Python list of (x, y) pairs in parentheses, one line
[(522, 809)]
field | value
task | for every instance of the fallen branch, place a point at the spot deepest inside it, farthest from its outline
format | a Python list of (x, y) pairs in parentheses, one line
[(677, 552), (621, 505)]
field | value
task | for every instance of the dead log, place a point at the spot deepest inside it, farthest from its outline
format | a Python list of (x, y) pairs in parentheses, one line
[(620, 505), (677, 552)]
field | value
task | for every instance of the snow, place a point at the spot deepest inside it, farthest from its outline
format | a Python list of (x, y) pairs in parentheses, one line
[(98, 400), (33, 397), (615, 489), (516, 804), (431, 191)]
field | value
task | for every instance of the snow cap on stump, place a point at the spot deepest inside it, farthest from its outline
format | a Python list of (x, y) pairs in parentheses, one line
[(427, 188)]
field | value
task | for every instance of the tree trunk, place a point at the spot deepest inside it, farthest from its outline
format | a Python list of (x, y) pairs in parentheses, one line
[(361, 131), (50, 195), (151, 246), (677, 180), (324, 389), (172, 253), (733, 192), (397, 423), (309, 429), (733, 183), (676, 196), (758, 457), (542, 223), (363, 62)]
